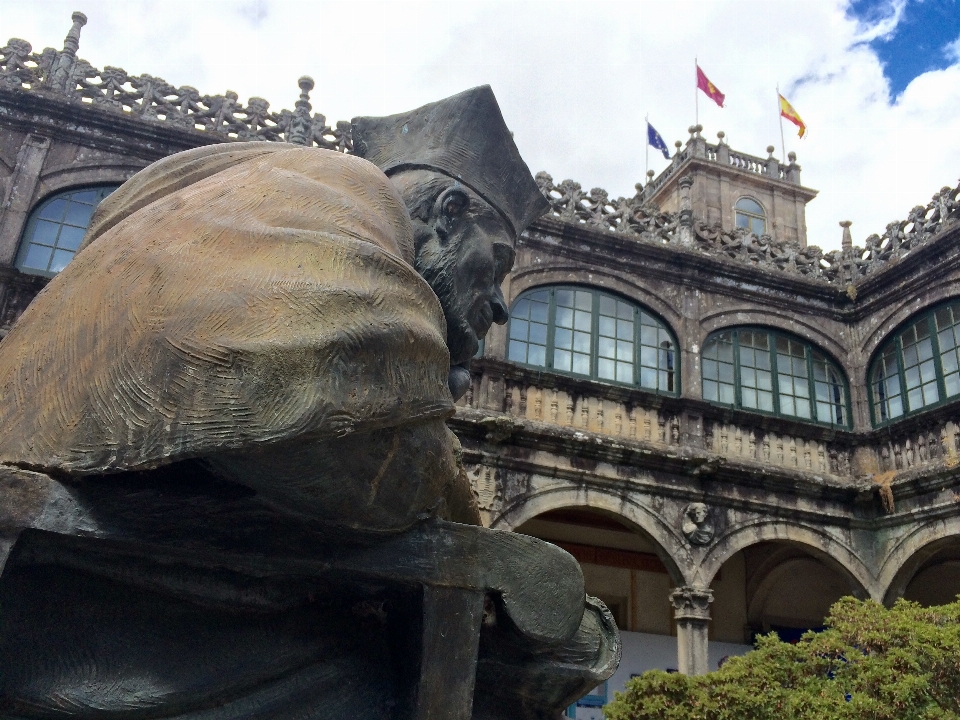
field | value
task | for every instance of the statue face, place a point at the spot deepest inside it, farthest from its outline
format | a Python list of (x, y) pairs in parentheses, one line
[(465, 259)]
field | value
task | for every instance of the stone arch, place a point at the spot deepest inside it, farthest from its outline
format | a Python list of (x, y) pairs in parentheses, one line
[(932, 295), (669, 544), (775, 320), (66, 177), (821, 545), (529, 278), (911, 551)]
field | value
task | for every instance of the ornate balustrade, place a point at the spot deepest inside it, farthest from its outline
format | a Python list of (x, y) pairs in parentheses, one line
[(61, 74)]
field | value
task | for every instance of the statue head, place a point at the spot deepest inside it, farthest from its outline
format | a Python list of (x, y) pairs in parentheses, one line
[(469, 195)]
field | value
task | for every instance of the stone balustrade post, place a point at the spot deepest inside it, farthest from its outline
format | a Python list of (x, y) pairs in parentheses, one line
[(686, 210), (793, 170), (696, 143), (772, 166), (691, 610), (723, 150)]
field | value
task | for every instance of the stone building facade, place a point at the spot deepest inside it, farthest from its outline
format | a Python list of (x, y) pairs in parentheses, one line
[(728, 427)]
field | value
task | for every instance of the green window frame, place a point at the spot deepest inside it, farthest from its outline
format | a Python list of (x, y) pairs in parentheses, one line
[(749, 214), (55, 229), (775, 373), (582, 331), (918, 368)]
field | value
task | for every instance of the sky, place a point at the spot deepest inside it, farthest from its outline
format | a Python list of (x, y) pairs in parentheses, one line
[(877, 82)]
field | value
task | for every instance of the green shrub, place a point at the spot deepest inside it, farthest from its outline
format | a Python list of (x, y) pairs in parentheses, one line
[(870, 663)]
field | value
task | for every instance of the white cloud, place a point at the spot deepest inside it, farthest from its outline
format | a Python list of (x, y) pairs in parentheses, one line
[(574, 79), (952, 50)]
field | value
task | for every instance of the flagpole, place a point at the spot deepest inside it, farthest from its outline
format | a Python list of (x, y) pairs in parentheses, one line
[(647, 159), (783, 144), (696, 88)]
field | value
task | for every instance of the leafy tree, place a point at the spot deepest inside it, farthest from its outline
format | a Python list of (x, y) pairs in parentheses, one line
[(870, 663)]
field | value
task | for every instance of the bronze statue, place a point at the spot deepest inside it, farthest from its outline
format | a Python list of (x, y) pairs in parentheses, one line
[(227, 479)]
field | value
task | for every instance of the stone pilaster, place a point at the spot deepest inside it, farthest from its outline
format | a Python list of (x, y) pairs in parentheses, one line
[(691, 610), (20, 190)]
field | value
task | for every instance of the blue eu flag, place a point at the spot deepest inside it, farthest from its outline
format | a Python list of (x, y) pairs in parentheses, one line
[(653, 137)]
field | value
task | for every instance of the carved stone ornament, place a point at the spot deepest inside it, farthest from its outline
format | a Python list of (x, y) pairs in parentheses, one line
[(691, 603), (697, 526)]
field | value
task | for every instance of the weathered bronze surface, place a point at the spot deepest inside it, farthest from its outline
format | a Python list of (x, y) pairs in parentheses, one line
[(227, 489)]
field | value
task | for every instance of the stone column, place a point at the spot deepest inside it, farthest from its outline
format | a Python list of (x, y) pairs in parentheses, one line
[(20, 190), (691, 609)]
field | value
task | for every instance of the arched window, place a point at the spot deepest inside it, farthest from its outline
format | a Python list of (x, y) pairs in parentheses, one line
[(750, 215), (771, 372), (591, 333), (918, 367), (56, 227)]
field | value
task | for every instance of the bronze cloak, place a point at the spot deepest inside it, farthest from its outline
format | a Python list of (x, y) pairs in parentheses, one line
[(226, 298)]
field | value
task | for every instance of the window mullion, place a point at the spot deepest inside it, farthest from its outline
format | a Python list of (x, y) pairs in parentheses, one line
[(811, 384), (595, 337), (774, 375), (937, 367), (551, 326), (636, 350), (737, 399), (904, 395)]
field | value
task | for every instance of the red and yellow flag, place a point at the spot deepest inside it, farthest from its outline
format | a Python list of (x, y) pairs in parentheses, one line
[(709, 88), (787, 111)]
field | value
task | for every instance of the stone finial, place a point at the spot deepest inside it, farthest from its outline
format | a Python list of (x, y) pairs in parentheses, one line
[(678, 144), (71, 43), (300, 126), (792, 157), (770, 150), (698, 129), (650, 176), (692, 130), (846, 243)]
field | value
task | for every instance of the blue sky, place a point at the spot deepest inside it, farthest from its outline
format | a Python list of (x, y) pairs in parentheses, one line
[(872, 80), (925, 36)]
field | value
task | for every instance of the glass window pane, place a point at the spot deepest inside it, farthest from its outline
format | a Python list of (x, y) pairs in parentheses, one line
[(538, 333), (582, 320), (584, 300), (726, 394), (38, 256), (54, 210), (581, 364), (538, 311), (78, 214), (624, 372), (563, 339), (710, 390), (607, 347), (45, 232), (565, 298), (606, 369), (518, 329), (562, 359), (581, 342), (749, 205), (86, 196), (608, 326), (60, 260), (517, 351), (608, 306), (537, 355)]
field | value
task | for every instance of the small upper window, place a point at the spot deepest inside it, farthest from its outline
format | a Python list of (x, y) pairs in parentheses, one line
[(55, 229), (750, 215), (919, 367)]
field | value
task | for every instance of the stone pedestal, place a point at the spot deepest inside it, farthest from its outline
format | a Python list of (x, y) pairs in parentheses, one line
[(691, 609)]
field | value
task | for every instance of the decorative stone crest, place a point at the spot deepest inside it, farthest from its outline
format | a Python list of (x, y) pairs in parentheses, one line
[(697, 526)]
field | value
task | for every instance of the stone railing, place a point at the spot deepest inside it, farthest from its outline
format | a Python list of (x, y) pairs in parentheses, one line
[(939, 443), (778, 449), (637, 218), (565, 407), (61, 74)]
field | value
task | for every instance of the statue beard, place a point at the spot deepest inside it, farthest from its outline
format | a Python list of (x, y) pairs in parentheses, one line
[(460, 334)]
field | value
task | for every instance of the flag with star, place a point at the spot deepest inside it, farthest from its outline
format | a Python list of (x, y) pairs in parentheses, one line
[(656, 141)]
